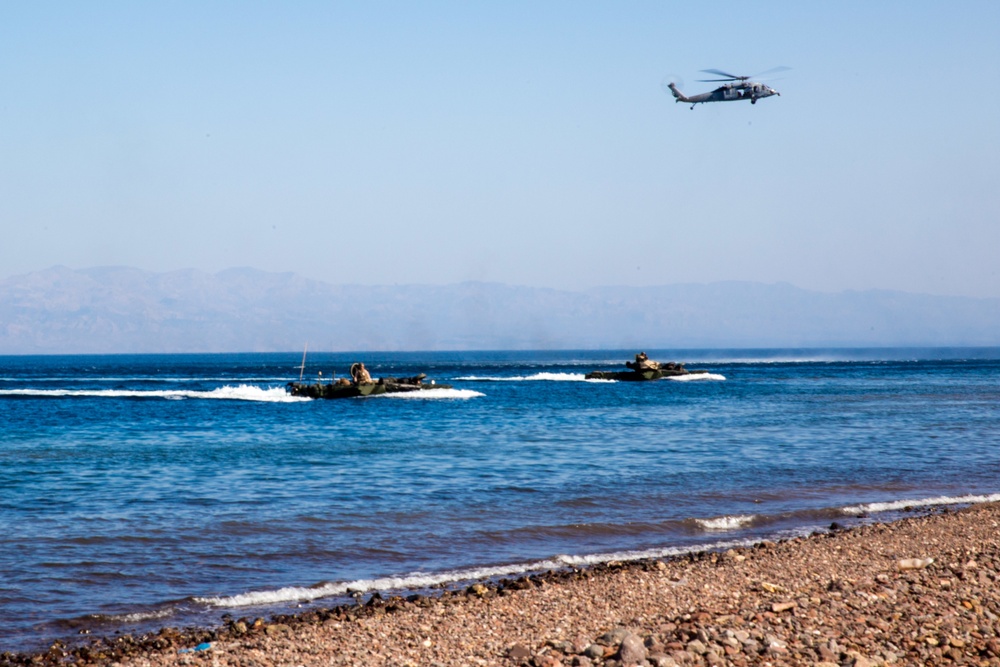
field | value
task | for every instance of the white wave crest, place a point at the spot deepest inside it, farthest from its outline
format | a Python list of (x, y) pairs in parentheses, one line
[(243, 392), (403, 582), (724, 523), (663, 552), (435, 394), (426, 580), (139, 616), (695, 377), (867, 508), (421, 580)]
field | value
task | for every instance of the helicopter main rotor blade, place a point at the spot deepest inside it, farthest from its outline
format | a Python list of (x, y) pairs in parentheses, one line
[(717, 80), (773, 70), (721, 73)]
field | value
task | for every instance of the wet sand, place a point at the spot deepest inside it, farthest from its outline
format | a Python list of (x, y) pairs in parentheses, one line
[(920, 591)]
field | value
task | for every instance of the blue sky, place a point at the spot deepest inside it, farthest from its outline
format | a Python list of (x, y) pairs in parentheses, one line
[(525, 143)]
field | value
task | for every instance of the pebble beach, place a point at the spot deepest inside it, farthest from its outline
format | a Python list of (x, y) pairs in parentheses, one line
[(922, 590)]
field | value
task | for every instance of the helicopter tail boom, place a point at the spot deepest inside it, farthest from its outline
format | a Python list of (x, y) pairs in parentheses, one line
[(678, 95)]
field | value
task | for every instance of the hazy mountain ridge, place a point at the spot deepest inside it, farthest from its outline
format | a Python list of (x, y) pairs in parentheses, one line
[(118, 309)]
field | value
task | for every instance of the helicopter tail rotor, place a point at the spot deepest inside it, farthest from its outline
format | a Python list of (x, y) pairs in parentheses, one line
[(672, 80), (672, 85)]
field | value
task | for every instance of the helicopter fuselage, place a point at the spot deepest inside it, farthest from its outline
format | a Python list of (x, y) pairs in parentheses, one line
[(731, 92)]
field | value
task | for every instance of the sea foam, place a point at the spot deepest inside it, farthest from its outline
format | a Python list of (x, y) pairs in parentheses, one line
[(418, 580), (434, 394), (243, 392), (695, 377), (724, 523), (894, 505)]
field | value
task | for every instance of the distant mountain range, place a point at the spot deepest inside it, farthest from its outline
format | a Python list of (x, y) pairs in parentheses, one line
[(125, 310)]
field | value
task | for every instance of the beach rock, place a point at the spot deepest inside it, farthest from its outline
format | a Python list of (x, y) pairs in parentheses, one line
[(548, 661), (713, 659), (613, 637), (857, 660), (661, 660), (276, 629), (914, 563), (519, 653), (594, 651), (632, 650), (686, 658), (697, 647), (826, 654), (562, 646)]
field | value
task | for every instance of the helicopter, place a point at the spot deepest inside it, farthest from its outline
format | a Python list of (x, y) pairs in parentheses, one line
[(735, 88)]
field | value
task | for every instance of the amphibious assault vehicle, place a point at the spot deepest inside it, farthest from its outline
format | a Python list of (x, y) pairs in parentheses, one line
[(346, 389)]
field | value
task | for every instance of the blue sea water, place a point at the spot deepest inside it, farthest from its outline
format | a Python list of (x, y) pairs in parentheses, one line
[(151, 490)]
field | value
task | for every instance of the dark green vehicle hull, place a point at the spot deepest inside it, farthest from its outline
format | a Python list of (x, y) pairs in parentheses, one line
[(352, 390), (639, 376)]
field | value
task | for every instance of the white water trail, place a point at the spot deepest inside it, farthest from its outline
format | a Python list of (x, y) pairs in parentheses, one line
[(697, 377), (434, 394), (243, 392)]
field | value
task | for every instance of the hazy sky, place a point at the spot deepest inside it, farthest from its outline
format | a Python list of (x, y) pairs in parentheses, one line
[(518, 142)]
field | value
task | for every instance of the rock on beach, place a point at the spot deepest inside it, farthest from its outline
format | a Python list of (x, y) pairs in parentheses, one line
[(924, 590)]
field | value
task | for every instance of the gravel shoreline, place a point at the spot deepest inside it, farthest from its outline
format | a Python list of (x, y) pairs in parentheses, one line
[(919, 591)]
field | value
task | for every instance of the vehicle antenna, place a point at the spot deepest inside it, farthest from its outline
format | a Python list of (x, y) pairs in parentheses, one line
[(302, 367)]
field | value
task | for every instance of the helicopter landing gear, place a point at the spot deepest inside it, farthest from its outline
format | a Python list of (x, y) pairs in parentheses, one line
[(753, 100), (692, 107)]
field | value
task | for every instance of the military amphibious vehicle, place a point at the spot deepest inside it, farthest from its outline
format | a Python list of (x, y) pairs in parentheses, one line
[(642, 370), (344, 388)]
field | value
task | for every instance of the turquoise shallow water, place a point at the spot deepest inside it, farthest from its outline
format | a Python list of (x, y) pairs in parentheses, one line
[(141, 491)]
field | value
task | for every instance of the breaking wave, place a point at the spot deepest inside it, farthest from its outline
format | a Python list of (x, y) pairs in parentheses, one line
[(725, 523), (895, 505), (403, 582), (416, 581)]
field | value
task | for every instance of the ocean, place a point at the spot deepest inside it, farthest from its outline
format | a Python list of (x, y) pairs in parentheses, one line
[(141, 491)]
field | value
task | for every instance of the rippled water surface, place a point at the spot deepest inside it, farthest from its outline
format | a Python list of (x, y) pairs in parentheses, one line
[(140, 491)]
